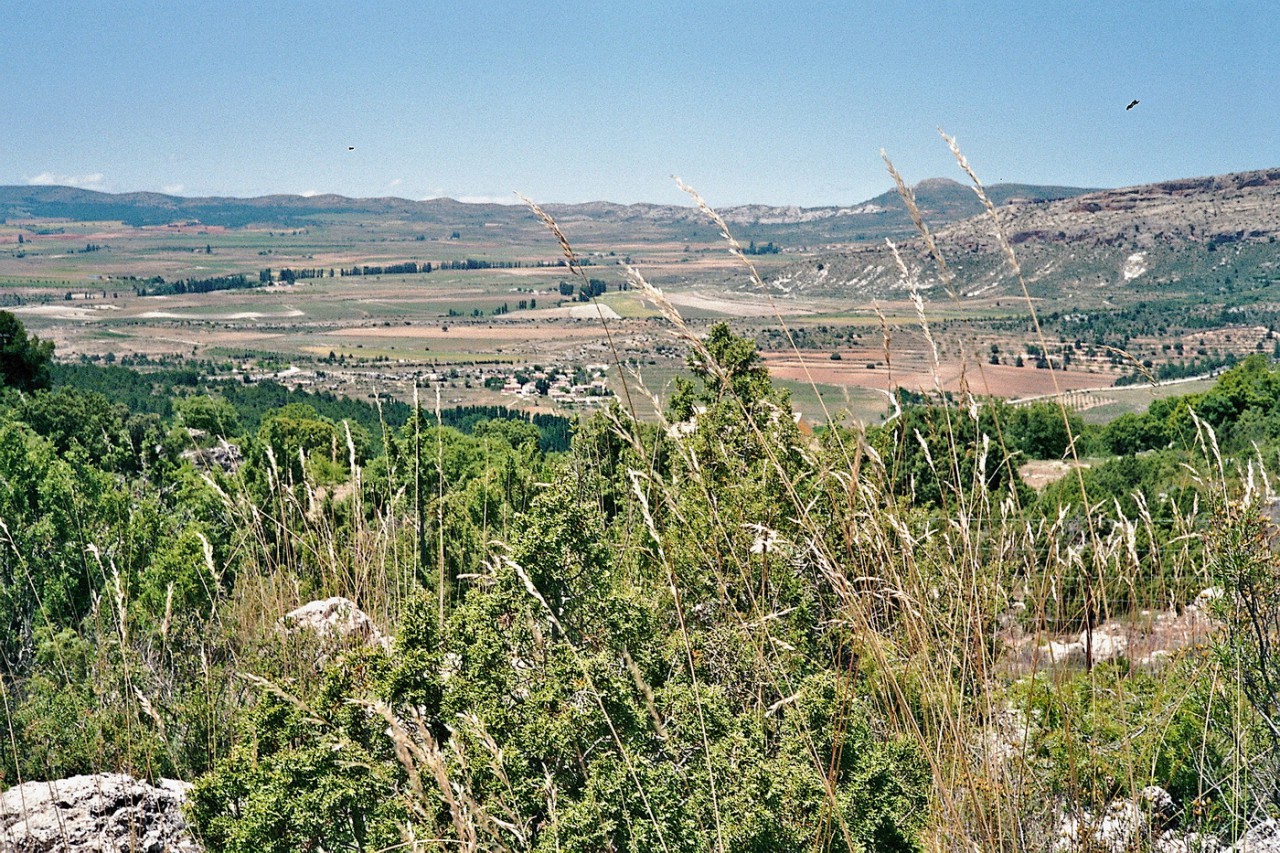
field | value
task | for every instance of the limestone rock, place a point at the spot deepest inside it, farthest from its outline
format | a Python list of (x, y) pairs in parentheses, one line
[(1263, 837), (104, 813), (1141, 823), (1070, 653), (333, 618), (1193, 842), (226, 457), (1110, 641)]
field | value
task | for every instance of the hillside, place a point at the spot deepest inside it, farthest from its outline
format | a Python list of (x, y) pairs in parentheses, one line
[(1193, 236), (941, 200)]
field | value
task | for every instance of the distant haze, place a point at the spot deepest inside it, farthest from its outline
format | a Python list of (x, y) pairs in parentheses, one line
[(940, 201)]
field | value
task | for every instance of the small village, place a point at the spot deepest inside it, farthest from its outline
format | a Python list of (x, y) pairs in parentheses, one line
[(558, 387)]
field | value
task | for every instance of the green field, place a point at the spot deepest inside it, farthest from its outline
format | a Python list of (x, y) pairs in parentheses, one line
[(1136, 398)]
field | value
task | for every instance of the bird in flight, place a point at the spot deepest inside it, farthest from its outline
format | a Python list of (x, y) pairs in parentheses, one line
[(353, 148), (1132, 104)]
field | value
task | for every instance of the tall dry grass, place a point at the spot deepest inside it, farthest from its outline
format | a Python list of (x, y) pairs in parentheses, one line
[(957, 612)]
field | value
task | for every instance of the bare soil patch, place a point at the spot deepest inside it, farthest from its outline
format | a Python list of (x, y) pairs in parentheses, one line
[(1039, 473), (996, 380), (735, 306), (581, 312)]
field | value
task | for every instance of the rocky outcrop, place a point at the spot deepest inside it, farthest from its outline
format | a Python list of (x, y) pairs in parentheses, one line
[(1263, 837), (1150, 821), (225, 457), (1079, 251), (1146, 822), (1147, 639), (335, 618), (104, 813)]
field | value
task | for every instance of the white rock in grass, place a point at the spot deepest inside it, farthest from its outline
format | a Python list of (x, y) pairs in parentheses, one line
[(1132, 824), (1156, 659), (104, 813), (1209, 595), (334, 618), (1158, 804), (1123, 824), (1261, 838), (1109, 642), (1193, 842), (1063, 653)]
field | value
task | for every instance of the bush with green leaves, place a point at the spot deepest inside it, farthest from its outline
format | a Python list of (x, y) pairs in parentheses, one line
[(320, 776), (595, 682)]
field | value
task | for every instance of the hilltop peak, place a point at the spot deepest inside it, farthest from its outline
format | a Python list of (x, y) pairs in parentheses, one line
[(936, 184)]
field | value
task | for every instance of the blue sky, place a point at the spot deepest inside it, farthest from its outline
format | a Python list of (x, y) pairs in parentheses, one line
[(778, 103)]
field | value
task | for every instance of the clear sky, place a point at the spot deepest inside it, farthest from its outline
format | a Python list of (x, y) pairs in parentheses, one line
[(777, 103)]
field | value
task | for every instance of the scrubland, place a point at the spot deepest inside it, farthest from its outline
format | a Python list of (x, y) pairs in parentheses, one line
[(705, 625)]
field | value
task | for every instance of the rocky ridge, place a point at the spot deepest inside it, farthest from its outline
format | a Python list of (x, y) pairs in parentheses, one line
[(941, 200), (1184, 236)]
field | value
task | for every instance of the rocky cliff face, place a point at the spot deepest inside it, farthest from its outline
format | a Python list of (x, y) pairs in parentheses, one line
[(105, 813), (1177, 237)]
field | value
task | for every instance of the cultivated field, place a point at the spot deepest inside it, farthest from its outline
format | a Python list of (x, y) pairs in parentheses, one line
[(76, 284)]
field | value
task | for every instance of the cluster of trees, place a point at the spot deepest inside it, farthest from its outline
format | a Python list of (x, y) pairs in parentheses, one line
[(584, 292), (157, 286), (405, 268), (24, 359), (1157, 318), (553, 430), (1242, 408), (157, 392), (1177, 369), (288, 274), (412, 267)]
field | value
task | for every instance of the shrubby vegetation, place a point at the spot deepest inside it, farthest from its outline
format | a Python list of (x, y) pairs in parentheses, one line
[(719, 632)]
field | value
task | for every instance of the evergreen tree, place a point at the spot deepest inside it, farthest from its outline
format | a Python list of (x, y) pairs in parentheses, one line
[(24, 360)]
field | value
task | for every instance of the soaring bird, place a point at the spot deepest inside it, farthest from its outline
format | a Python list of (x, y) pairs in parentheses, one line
[(1132, 104), (353, 148)]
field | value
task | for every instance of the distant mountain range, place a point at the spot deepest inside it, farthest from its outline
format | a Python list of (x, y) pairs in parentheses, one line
[(940, 200), (1200, 237), (1209, 238)]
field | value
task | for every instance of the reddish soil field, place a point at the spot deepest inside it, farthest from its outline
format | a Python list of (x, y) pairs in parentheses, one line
[(996, 380)]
